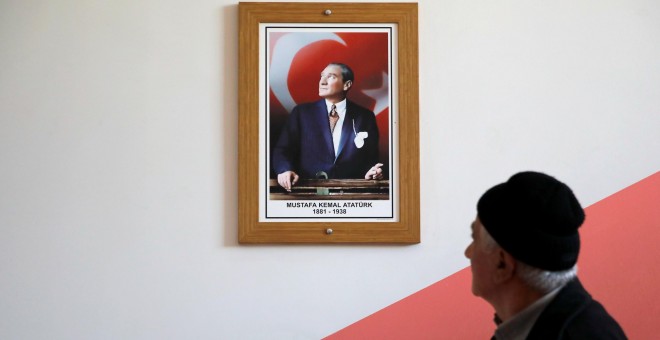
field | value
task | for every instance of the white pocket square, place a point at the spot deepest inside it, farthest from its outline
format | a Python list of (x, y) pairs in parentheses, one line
[(359, 139)]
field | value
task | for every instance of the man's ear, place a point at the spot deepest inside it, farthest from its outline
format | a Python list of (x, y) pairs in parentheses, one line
[(506, 266), (348, 84)]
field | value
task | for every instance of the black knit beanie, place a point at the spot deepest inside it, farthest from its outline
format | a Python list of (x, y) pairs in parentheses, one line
[(535, 218)]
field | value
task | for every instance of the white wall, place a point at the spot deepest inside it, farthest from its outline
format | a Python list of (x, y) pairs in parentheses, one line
[(118, 143)]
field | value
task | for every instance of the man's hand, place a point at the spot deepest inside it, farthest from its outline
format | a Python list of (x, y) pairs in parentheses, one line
[(287, 179), (375, 172)]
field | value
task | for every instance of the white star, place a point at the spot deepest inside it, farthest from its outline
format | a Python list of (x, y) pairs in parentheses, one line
[(380, 95)]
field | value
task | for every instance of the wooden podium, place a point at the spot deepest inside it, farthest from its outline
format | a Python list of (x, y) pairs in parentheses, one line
[(332, 189)]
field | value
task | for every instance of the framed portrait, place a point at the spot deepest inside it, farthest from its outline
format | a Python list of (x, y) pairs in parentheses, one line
[(328, 123)]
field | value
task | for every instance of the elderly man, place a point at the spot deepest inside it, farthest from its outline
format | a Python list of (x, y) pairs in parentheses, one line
[(332, 135), (524, 249)]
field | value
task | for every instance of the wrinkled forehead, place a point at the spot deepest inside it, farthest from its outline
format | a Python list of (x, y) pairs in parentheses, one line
[(476, 226)]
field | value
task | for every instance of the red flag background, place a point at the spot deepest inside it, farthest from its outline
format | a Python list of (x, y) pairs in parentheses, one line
[(300, 58)]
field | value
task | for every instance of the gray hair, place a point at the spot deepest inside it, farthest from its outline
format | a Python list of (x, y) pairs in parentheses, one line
[(538, 279), (346, 72)]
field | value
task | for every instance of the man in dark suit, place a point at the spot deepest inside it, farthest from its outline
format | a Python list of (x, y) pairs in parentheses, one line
[(332, 135), (523, 256)]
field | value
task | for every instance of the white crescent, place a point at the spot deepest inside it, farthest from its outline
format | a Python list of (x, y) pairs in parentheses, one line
[(284, 51)]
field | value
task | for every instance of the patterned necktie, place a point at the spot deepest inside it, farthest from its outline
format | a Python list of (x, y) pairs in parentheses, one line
[(333, 118)]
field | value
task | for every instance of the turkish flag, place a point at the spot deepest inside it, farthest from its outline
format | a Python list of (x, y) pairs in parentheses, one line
[(296, 60)]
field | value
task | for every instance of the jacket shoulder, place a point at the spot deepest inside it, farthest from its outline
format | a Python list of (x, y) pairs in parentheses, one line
[(358, 109), (574, 314), (593, 322), (309, 106)]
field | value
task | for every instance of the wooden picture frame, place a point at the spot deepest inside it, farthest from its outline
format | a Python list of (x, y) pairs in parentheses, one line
[(258, 190)]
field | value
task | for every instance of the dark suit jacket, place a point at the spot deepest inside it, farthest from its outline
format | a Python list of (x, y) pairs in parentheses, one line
[(573, 314), (305, 143)]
